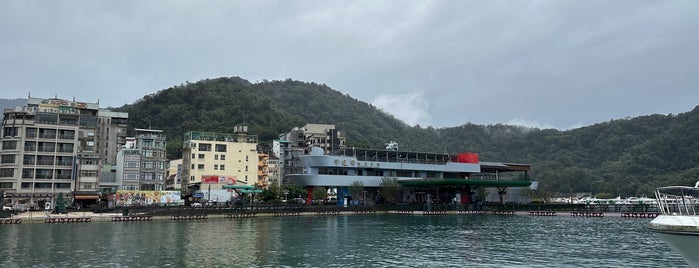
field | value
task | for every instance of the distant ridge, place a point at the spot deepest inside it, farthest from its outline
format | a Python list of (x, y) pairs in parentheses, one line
[(628, 157)]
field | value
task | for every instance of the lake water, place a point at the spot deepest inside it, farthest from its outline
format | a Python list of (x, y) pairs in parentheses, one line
[(341, 241)]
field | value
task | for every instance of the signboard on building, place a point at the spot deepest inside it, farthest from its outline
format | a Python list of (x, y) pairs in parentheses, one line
[(224, 179)]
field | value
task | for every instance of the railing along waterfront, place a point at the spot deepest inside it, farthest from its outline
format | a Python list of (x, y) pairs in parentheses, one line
[(677, 200)]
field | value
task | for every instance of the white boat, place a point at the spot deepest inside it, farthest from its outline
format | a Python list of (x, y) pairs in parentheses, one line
[(678, 223)]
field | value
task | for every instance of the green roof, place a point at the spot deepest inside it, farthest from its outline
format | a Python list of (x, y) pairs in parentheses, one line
[(455, 182), (236, 186)]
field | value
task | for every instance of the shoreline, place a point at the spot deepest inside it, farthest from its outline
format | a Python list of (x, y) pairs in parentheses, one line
[(87, 217)]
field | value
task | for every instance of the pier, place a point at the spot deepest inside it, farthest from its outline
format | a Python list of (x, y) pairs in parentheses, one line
[(10, 221), (587, 214), (639, 214), (132, 218), (67, 220), (189, 217)]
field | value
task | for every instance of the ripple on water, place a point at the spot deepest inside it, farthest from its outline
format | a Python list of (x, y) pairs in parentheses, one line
[(340, 241)]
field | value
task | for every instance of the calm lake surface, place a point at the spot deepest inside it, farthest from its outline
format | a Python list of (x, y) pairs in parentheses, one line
[(341, 241)]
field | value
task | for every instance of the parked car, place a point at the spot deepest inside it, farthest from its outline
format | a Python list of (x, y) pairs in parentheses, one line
[(5, 207), (195, 205)]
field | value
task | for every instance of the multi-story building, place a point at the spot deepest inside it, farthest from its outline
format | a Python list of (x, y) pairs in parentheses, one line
[(299, 141), (153, 158), (262, 170), (273, 168), (111, 137), (141, 163), (128, 167), (48, 147), (111, 134), (324, 136), (217, 159), (173, 176)]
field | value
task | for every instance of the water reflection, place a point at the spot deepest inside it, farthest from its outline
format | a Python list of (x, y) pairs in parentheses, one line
[(334, 241)]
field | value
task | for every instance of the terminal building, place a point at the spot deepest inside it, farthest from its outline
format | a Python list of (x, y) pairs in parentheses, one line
[(423, 177)]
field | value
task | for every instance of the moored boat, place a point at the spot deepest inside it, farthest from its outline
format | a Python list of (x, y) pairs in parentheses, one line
[(678, 223)]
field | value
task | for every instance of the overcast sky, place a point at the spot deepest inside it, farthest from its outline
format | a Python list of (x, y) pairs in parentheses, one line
[(548, 64)]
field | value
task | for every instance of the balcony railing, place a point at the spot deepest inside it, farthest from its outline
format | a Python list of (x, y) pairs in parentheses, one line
[(47, 149), (63, 177), (44, 162)]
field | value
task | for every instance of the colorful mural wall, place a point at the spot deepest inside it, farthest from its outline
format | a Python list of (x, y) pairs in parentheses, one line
[(147, 198)]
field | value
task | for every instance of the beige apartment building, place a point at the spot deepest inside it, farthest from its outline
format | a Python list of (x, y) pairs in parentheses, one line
[(212, 160)]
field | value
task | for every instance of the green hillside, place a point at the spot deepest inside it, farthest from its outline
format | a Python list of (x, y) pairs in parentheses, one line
[(620, 157)]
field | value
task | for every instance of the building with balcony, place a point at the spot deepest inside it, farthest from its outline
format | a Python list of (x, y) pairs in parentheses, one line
[(262, 171), (49, 147), (212, 160), (141, 163)]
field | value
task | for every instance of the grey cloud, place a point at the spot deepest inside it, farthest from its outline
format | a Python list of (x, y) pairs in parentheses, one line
[(559, 63)]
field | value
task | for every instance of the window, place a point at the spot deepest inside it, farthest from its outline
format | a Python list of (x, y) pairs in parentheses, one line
[(87, 185), (7, 172), (7, 159), (131, 164), (220, 147), (63, 186), (205, 147), (9, 145), (223, 157), (29, 146), (131, 177), (148, 153), (149, 164), (215, 157), (192, 166), (27, 173), (215, 167), (147, 143), (87, 162), (148, 176), (88, 173), (193, 155), (222, 167), (11, 131), (200, 167), (30, 133), (191, 178), (201, 156), (6, 185)]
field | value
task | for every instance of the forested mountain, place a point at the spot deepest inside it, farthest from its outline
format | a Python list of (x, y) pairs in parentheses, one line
[(620, 157)]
